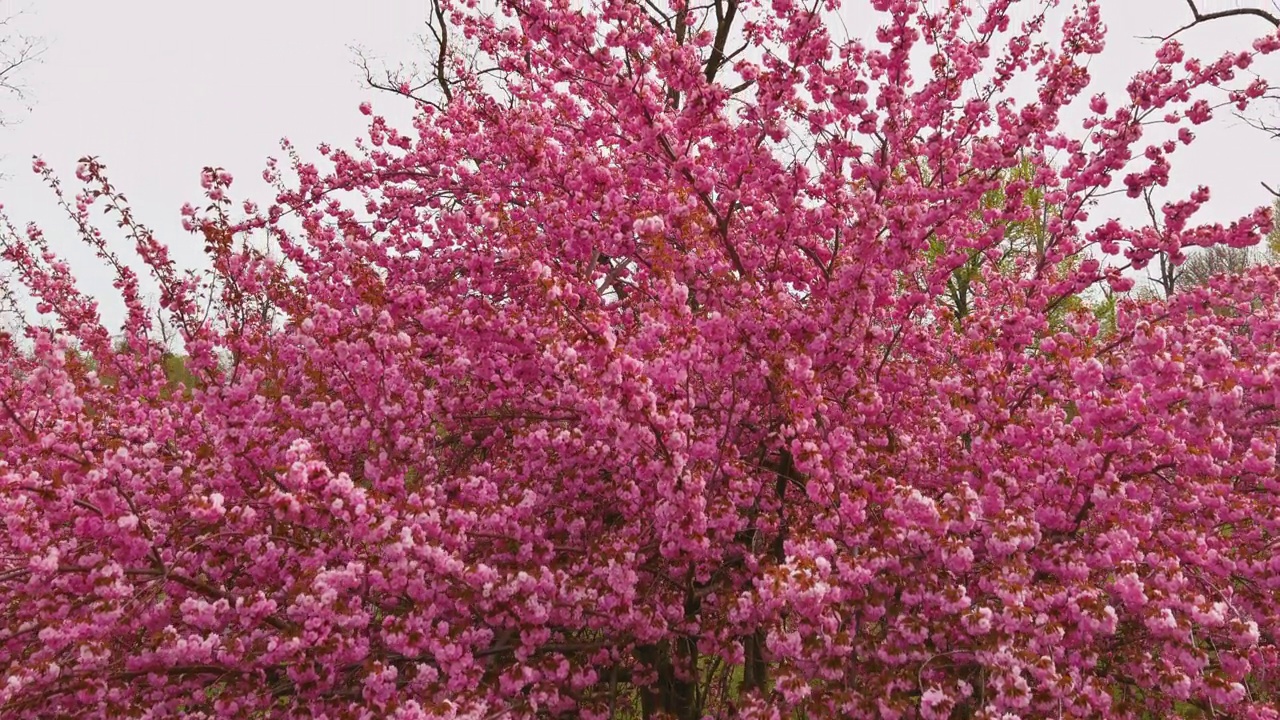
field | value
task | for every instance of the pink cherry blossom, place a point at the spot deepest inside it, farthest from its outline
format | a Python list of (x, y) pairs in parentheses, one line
[(644, 376)]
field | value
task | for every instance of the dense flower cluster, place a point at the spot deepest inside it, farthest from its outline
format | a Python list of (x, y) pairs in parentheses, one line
[(650, 376)]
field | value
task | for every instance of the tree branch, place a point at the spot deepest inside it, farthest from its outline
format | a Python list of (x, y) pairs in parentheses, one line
[(724, 22), (17, 51), (1199, 18)]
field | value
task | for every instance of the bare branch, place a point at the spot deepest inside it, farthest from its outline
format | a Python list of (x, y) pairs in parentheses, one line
[(1272, 130), (401, 81), (405, 81), (1199, 18), (17, 53)]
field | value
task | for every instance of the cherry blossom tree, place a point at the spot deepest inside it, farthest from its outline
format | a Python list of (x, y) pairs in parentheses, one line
[(630, 382)]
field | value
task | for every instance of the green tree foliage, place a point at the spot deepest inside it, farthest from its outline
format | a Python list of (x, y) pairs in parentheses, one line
[(1023, 247)]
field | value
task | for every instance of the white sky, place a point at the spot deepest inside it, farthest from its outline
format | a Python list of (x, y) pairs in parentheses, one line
[(160, 88)]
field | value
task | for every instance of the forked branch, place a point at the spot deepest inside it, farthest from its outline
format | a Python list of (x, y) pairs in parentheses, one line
[(1199, 17), (17, 52)]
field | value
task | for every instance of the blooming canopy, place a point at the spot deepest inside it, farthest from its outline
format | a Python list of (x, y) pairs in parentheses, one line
[(679, 361)]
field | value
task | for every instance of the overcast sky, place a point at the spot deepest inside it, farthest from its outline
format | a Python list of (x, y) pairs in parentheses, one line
[(160, 88)]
